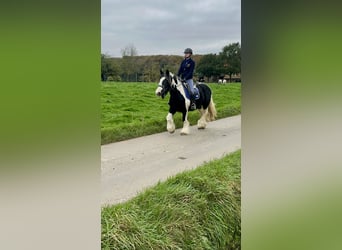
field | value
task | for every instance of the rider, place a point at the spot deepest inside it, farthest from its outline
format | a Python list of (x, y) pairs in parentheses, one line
[(186, 71)]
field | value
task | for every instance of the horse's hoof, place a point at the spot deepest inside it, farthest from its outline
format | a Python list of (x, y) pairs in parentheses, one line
[(201, 125), (184, 132), (171, 130)]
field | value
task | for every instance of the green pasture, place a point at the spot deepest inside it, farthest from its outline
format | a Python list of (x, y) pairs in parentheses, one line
[(196, 209), (131, 110)]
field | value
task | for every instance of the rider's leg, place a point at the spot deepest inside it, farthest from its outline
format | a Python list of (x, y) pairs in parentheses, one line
[(190, 82), (192, 93)]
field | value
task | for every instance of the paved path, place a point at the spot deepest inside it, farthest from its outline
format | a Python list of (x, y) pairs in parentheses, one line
[(128, 167)]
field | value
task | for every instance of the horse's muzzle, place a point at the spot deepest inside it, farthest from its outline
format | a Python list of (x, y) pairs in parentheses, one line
[(159, 91), (160, 94)]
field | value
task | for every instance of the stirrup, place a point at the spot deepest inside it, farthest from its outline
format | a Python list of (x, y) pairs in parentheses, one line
[(193, 106)]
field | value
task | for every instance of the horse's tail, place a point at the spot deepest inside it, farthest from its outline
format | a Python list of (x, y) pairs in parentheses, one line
[(211, 111)]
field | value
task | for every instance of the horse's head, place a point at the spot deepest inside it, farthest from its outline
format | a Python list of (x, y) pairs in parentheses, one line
[(166, 82)]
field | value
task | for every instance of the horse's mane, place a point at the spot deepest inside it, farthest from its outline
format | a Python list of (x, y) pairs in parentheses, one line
[(173, 82)]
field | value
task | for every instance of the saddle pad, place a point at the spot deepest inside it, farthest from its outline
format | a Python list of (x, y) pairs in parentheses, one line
[(187, 93)]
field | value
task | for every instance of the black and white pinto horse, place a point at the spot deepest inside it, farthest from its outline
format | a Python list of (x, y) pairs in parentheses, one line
[(180, 103)]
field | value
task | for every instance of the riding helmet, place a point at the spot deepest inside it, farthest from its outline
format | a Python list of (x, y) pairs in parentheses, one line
[(188, 50)]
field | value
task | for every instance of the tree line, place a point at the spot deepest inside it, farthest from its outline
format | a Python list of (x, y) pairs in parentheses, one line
[(133, 68)]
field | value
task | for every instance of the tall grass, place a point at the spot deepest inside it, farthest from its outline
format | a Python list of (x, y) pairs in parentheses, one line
[(197, 209), (131, 110)]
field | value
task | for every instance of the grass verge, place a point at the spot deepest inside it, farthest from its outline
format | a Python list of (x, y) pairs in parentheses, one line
[(197, 209), (130, 110)]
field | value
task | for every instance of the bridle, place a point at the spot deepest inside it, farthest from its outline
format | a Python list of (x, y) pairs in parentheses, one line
[(171, 84)]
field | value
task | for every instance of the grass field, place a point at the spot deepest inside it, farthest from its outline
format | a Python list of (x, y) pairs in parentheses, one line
[(131, 110), (197, 209)]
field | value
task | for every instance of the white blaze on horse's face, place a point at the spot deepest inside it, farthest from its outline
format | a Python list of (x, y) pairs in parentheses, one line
[(160, 88)]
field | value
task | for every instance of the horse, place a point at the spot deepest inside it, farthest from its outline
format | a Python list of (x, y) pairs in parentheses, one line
[(179, 102), (220, 81), (224, 81)]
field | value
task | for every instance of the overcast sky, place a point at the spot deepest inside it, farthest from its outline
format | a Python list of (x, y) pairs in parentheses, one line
[(167, 27)]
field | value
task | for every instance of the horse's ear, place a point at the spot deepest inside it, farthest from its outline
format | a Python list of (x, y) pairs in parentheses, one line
[(167, 72), (175, 78), (161, 72)]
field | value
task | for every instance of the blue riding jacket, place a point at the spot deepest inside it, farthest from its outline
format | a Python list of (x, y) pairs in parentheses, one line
[(186, 69)]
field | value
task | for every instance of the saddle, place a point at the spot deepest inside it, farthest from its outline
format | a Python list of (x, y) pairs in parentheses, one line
[(187, 94), (187, 91)]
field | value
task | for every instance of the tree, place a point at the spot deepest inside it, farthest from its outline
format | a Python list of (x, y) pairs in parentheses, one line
[(109, 68), (230, 59), (208, 66), (129, 50), (129, 54)]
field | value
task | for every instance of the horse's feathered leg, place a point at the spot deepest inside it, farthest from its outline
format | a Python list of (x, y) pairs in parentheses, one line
[(170, 126), (186, 124), (211, 115), (202, 122)]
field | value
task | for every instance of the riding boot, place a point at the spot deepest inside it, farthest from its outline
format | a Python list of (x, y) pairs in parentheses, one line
[(192, 102), (193, 105)]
